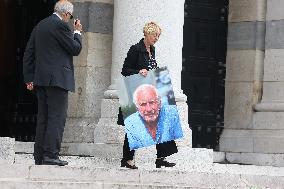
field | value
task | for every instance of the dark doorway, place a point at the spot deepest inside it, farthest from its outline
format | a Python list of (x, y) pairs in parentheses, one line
[(204, 67), (18, 107)]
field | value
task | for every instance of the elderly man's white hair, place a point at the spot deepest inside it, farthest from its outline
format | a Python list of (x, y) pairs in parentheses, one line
[(144, 87), (63, 7)]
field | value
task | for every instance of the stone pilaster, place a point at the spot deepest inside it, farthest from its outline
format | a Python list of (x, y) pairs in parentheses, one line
[(92, 69), (269, 118), (129, 19), (245, 55), (254, 88)]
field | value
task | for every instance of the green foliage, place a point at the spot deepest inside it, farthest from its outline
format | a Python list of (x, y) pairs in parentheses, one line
[(128, 110)]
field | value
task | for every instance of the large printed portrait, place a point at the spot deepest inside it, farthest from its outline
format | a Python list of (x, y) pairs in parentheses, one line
[(149, 109)]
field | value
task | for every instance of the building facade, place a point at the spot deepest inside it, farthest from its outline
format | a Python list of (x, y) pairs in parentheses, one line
[(252, 109)]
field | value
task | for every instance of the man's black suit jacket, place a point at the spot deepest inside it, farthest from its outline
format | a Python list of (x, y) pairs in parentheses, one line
[(48, 58)]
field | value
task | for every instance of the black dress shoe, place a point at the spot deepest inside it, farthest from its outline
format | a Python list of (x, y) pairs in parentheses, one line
[(125, 164), (161, 162), (50, 161)]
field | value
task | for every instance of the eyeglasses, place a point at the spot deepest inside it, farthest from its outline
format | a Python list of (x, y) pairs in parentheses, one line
[(71, 16)]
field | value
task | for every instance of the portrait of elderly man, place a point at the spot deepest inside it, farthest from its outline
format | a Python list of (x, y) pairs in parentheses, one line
[(153, 123)]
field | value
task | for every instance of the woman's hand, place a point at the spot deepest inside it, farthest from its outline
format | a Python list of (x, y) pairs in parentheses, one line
[(30, 85), (143, 72)]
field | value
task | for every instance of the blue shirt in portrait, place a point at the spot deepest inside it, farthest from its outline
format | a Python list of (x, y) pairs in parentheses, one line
[(168, 128)]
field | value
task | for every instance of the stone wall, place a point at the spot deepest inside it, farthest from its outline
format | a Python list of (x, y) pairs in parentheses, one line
[(92, 69), (254, 83)]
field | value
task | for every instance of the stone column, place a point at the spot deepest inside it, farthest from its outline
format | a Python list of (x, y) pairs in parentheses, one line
[(129, 19), (269, 118), (254, 122)]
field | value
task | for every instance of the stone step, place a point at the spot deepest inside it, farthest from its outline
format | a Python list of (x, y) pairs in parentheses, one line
[(216, 176), (89, 149), (25, 184), (195, 168), (186, 156), (144, 159)]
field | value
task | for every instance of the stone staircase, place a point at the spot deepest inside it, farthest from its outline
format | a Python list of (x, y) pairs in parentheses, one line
[(98, 173), (90, 172), (194, 169)]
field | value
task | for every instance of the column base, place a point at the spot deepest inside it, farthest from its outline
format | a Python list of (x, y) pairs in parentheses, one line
[(269, 107), (263, 139), (256, 159), (252, 141), (108, 135), (187, 133)]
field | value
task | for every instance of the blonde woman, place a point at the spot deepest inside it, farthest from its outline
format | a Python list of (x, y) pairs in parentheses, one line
[(140, 59)]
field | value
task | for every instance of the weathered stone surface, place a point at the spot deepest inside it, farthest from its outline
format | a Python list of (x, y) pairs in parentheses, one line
[(81, 59), (95, 16), (109, 108), (240, 64), (256, 159), (219, 157), (273, 65), (186, 157), (246, 10), (97, 80), (7, 150), (79, 130), (76, 101), (269, 107), (24, 147), (273, 91), (259, 141), (246, 35), (275, 10), (92, 73), (274, 38), (99, 150), (92, 106), (87, 169), (9, 171), (196, 179), (98, 41), (236, 141), (108, 132), (238, 105), (187, 133), (268, 141), (268, 120), (100, 58), (84, 174), (25, 184)]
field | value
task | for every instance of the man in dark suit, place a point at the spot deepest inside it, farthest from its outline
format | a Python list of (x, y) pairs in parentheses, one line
[(48, 68)]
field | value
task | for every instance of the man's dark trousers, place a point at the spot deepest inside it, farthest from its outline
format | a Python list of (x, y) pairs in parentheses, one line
[(51, 118)]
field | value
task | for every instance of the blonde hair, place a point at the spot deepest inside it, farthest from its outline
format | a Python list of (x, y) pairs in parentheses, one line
[(151, 28)]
